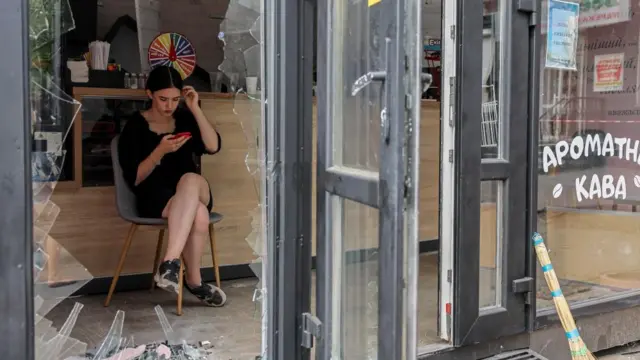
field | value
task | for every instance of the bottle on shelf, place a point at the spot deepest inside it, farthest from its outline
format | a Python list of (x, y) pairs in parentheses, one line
[(134, 81), (142, 80), (127, 81)]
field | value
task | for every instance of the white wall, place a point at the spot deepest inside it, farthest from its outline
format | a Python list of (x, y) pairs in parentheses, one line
[(432, 18)]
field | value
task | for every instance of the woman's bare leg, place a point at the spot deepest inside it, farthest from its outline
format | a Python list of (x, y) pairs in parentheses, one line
[(192, 191), (192, 253), (194, 247)]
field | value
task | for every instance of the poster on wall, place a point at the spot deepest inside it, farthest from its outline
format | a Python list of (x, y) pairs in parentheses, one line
[(608, 72), (562, 35)]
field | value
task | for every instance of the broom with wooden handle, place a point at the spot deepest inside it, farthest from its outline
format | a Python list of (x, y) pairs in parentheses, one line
[(577, 346)]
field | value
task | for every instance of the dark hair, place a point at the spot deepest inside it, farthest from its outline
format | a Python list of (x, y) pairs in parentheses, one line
[(164, 77)]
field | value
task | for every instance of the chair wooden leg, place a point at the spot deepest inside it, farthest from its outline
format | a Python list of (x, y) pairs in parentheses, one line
[(156, 260), (180, 286), (53, 250), (214, 254), (123, 256)]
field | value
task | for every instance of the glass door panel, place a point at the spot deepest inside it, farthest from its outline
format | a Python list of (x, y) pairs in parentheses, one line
[(491, 286), (362, 152)]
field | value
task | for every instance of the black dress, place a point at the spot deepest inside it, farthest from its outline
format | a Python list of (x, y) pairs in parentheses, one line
[(137, 142)]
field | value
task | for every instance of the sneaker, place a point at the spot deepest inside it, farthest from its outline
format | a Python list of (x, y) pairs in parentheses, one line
[(208, 294), (167, 276)]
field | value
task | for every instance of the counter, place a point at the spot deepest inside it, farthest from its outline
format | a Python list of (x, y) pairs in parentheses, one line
[(89, 228)]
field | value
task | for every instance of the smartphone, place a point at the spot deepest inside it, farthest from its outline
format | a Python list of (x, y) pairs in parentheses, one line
[(181, 135)]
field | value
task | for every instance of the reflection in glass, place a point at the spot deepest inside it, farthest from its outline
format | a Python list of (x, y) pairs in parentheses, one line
[(490, 243), (355, 280), (102, 119), (56, 273), (47, 20), (588, 189), (491, 128), (241, 35), (356, 114)]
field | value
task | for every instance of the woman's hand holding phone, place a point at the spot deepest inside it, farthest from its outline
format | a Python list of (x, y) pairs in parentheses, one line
[(171, 143)]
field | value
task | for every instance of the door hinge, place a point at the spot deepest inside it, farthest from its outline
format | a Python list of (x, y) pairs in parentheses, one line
[(311, 328), (408, 102), (449, 275), (529, 7), (451, 156), (452, 32), (452, 99), (524, 286)]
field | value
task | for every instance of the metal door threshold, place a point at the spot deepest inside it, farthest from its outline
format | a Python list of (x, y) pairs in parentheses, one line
[(525, 354)]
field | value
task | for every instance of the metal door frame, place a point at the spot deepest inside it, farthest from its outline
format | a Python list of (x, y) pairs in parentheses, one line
[(388, 191), (517, 287), (16, 264), (288, 143)]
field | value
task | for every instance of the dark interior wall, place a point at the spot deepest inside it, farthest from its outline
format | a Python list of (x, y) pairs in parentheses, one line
[(198, 20)]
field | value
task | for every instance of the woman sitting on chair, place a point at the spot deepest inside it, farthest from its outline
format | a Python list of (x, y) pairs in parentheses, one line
[(157, 151)]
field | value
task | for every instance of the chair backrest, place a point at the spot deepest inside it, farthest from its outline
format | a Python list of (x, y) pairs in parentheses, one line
[(125, 198)]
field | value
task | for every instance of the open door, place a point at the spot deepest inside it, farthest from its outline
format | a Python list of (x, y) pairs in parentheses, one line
[(367, 91), (492, 113)]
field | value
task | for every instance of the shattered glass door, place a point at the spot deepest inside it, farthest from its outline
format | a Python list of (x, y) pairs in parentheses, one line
[(70, 277), (52, 114)]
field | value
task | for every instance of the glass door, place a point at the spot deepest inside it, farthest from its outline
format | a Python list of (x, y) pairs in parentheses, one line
[(368, 89), (492, 287)]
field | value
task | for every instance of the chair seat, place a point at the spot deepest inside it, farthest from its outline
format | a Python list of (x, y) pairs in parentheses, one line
[(213, 218)]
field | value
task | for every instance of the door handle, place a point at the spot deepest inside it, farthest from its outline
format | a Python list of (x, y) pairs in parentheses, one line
[(366, 79), (377, 76), (425, 79), (381, 76)]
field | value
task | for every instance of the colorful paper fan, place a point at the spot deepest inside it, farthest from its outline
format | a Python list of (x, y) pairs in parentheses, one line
[(173, 49)]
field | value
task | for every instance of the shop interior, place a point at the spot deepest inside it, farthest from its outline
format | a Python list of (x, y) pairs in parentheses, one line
[(79, 106), (80, 233)]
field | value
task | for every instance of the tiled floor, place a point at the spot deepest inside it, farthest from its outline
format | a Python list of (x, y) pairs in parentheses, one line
[(234, 330)]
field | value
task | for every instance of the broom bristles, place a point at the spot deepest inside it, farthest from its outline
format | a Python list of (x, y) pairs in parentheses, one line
[(577, 346)]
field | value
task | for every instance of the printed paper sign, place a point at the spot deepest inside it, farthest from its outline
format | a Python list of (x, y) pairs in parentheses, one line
[(595, 13), (562, 35), (608, 72), (603, 12)]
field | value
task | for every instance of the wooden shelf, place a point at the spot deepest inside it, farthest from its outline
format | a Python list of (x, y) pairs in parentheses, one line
[(79, 92)]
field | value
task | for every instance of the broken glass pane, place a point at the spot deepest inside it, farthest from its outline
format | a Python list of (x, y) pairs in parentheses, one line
[(50, 349), (240, 32), (51, 107), (44, 217), (48, 19), (61, 276)]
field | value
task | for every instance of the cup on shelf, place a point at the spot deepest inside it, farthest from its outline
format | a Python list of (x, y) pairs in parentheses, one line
[(215, 77), (252, 84), (234, 78)]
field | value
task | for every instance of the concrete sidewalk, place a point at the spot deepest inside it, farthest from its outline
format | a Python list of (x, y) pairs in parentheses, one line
[(630, 352)]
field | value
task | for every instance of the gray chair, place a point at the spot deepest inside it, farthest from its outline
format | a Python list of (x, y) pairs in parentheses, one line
[(126, 206)]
